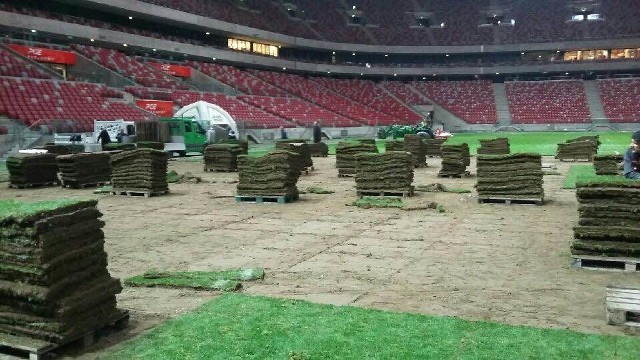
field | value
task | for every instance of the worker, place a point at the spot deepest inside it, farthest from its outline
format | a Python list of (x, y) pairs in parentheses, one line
[(120, 136), (317, 132), (232, 134), (632, 157), (283, 133), (211, 135), (104, 137)]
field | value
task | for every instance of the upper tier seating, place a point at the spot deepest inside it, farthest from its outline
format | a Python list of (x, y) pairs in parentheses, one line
[(12, 65), (472, 101), (621, 99), (238, 79), (246, 115), (130, 68), (299, 111), (314, 92), (41, 101), (541, 102), (373, 96)]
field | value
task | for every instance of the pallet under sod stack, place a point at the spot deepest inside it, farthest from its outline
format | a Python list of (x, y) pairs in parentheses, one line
[(513, 178), (608, 232), (54, 282), (272, 177)]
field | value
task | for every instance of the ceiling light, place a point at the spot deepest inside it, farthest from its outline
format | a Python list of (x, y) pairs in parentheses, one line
[(130, 17), (125, 45), (92, 40), (207, 33), (386, 55), (424, 78), (214, 59), (154, 49), (284, 68), (447, 55), (497, 73), (33, 30), (353, 54), (334, 53), (521, 53)]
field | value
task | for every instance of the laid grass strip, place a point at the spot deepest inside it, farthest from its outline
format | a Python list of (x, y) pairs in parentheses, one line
[(107, 189), (318, 190), (226, 280), (367, 202), (236, 326)]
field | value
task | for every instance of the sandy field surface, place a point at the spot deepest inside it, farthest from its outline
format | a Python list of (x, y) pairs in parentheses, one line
[(495, 262)]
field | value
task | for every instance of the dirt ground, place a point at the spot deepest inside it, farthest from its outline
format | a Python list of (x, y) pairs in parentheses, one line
[(496, 262)]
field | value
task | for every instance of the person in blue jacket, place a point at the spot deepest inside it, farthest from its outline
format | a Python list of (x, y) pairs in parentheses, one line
[(631, 158)]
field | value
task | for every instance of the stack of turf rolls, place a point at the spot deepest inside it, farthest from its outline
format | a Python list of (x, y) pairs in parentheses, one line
[(513, 176), (78, 170), (118, 147), (391, 171), (54, 282), (222, 157), (413, 144), (244, 144), (32, 169), (55, 149), (584, 147), (499, 146), (608, 218), (346, 155), (299, 147), (394, 145), (453, 160), (433, 147), (141, 170), (608, 164), (273, 174), (318, 149), (467, 154)]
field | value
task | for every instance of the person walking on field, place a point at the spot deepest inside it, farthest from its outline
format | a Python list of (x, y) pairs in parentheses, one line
[(104, 137), (632, 158), (317, 132), (283, 133)]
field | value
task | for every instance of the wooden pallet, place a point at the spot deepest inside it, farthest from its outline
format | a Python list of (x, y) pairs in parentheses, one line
[(34, 349), (83, 186), (33, 185), (623, 307), (398, 193), (346, 175), (138, 193), (319, 155), (605, 263), (261, 199), (508, 200), (549, 166)]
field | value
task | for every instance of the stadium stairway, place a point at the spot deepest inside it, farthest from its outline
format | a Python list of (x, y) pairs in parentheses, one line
[(593, 100), (206, 83), (502, 104)]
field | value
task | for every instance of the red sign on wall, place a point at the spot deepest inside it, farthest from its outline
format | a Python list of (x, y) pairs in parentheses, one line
[(45, 55), (175, 70), (158, 107)]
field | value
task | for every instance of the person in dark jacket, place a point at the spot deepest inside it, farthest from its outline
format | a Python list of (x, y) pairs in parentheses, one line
[(283, 133), (632, 158), (104, 137), (317, 132)]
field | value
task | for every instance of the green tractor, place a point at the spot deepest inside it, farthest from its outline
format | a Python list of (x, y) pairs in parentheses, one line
[(188, 135)]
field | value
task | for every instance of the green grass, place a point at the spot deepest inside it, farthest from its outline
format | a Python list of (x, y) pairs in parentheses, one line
[(226, 280), (367, 202), (236, 326), (587, 173), (318, 190), (18, 210), (545, 143)]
